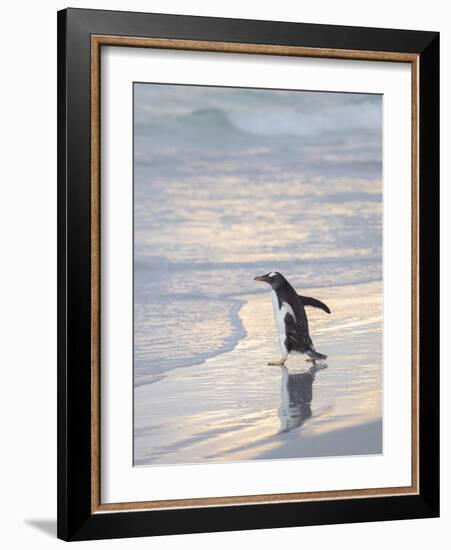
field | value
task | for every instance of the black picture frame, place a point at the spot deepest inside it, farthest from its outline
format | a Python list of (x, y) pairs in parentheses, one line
[(76, 520)]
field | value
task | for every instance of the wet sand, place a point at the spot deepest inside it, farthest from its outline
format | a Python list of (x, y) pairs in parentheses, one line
[(235, 407)]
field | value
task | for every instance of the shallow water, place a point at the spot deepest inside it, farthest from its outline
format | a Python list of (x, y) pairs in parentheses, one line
[(229, 184)]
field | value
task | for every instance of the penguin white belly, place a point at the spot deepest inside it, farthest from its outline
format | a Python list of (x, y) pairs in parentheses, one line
[(279, 315)]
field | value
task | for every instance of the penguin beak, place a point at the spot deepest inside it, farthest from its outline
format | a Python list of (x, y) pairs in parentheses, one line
[(263, 278)]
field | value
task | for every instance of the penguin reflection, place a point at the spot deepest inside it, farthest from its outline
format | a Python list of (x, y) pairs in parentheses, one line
[(297, 393)]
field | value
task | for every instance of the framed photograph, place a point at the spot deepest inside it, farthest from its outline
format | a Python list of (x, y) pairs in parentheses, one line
[(248, 274)]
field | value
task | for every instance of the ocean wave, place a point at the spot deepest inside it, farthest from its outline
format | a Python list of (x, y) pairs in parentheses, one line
[(204, 122), (150, 364), (264, 113)]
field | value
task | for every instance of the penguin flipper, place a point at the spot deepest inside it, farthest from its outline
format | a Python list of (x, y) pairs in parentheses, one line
[(313, 302)]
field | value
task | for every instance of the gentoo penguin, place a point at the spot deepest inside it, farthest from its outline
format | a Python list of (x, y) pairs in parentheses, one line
[(291, 320)]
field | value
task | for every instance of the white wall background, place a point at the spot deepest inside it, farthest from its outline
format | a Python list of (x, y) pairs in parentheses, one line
[(28, 271)]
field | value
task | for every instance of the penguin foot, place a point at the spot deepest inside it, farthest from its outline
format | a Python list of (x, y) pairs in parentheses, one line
[(279, 363)]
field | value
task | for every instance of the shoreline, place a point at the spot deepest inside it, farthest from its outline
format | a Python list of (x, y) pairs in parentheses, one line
[(231, 341), (238, 326), (229, 407)]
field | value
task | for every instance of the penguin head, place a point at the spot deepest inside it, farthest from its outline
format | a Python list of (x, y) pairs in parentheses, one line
[(273, 278)]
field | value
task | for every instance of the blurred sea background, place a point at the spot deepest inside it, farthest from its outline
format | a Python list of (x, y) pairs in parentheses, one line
[(231, 183)]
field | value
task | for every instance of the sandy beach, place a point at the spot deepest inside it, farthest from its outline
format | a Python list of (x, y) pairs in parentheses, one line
[(235, 407)]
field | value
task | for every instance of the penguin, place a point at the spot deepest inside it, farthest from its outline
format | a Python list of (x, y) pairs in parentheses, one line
[(291, 319)]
